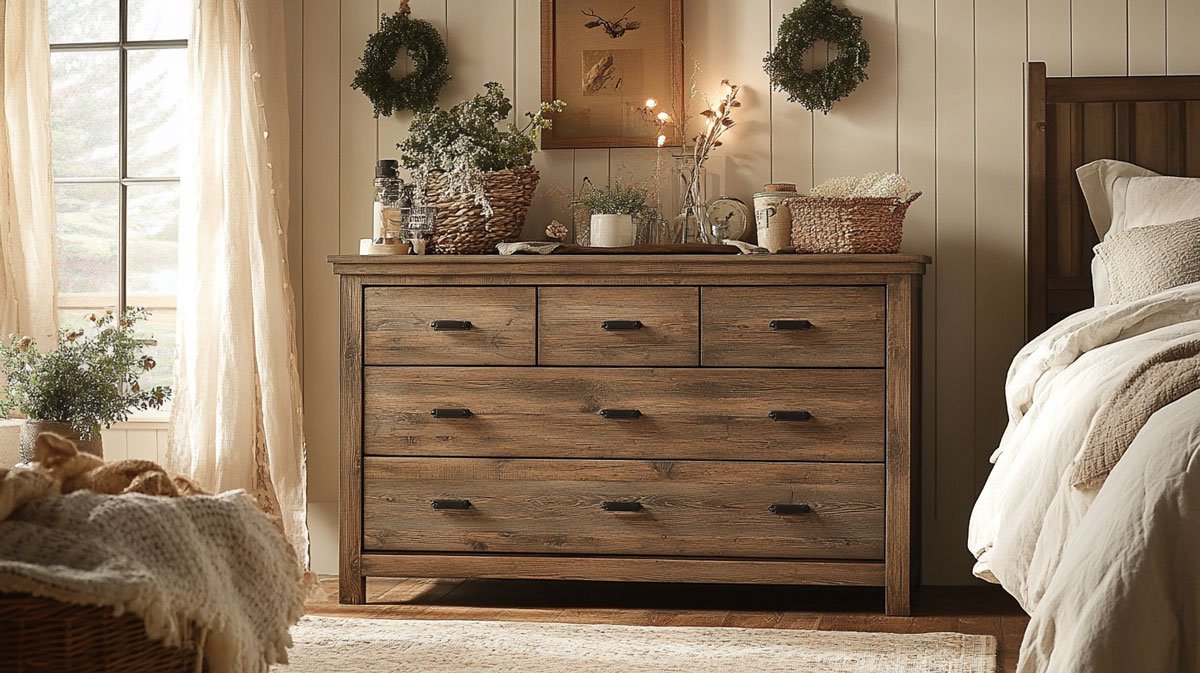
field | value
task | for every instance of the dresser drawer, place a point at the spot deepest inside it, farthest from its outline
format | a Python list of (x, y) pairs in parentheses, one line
[(567, 412), (618, 326), (449, 325), (792, 327), (689, 508)]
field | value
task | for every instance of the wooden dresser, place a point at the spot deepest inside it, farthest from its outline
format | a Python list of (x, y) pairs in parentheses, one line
[(737, 419)]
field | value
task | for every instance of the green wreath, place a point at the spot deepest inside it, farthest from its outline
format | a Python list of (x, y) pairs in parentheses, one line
[(418, 90), (819, 21)]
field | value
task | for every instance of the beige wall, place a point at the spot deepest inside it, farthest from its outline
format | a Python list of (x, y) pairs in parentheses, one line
[(943, 106)]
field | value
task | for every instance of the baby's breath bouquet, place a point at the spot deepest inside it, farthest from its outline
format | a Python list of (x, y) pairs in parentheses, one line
[(90, 380), (468, 140)]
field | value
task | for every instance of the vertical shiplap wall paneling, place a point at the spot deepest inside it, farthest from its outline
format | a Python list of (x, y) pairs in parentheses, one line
[(955, 328), (1147, 46), (859, 136), (358, 130), (394, 129), (1098, 28), (557, 167), (999, 214), (730, 44), (1049, 35), (916, 142), (115, 443), (481, 39), (791, 123), (1183, 47)]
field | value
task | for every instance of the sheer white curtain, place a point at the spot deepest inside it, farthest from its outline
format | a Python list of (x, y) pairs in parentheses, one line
[(237, 409), (27, 292)]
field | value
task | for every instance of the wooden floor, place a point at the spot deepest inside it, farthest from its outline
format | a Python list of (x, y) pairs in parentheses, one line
[(981, 610)]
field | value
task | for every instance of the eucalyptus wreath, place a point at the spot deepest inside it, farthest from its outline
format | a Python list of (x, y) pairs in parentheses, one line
[(819, 21), (415, 91)]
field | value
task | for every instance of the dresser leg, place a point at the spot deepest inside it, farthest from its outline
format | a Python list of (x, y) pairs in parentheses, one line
[(352, 590), (897, 601)]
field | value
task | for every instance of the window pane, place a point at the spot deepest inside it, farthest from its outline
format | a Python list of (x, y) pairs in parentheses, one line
[(153, 235), (161, 328), (84, 113), (83, 21), (159, 19), (157, 78), (87, 245)]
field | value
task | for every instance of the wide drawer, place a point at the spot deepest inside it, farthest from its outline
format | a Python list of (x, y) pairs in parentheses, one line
[(568, 412), (449, 325), (687, 508), (618, 326), (792, 327)]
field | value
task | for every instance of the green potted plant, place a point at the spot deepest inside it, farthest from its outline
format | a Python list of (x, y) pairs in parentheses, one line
[(88, 382), (613, 209), (477, 172)]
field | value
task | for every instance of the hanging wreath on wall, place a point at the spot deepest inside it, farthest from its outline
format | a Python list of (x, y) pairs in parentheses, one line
[(819, 21), (416, 91)]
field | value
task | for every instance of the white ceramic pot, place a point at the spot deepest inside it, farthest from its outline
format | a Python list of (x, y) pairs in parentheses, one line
[(611, 231)]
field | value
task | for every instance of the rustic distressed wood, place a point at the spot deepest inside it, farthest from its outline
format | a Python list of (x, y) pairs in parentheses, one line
[(686, 413), (847, 328), (1148, 120), (571, 328), (397, 326), (686, 508), (695, 444), (352, 588)]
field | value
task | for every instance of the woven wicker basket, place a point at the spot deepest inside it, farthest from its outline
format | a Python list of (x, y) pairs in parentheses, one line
[(461, 228), (857, 225), (39, 634)]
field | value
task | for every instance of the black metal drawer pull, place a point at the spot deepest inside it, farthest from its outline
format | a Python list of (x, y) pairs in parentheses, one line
[(621, 414), (619, 506), (619, 325), (783, 509), (451, 325), (450, 504), (451, 413), (791, 324), (790, 416)]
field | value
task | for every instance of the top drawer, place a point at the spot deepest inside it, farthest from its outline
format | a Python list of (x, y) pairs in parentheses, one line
[(618, 326), (792, 327), (449, 326)]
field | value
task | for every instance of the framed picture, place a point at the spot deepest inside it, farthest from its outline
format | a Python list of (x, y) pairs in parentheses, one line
[(605, 59)]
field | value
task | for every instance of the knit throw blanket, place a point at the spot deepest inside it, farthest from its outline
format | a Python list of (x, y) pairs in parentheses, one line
[(1166, 376), (212, 562)]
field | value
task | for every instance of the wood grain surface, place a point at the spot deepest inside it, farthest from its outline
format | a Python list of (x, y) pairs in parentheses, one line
[(570, 328)]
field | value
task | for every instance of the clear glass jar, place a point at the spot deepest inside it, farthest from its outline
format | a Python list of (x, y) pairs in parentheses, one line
[(390, 198)]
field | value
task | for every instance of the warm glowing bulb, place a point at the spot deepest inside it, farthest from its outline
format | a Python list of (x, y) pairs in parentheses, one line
[(663, 117), (651, 103), (662, 140)]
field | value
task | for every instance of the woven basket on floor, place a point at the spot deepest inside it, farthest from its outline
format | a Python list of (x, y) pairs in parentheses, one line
[(461, 228), (857, 225), (39, 634)]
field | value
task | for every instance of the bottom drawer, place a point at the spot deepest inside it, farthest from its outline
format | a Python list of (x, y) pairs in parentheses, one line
[(624, 507)]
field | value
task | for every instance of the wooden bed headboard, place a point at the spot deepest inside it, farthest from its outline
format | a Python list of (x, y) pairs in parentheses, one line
[(1153, 121)]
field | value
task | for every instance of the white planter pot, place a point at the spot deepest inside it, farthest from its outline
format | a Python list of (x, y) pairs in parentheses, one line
[(611, 231)]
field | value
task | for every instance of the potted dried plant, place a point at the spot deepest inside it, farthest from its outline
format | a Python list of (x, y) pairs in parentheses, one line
[(613, 209), (88, 382)]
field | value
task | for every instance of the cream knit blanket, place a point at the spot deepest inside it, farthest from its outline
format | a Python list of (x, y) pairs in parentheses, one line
[(215, 562), (1164, 377)]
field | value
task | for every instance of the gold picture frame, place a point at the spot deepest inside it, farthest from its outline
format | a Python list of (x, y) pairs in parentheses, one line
[(605, 59)]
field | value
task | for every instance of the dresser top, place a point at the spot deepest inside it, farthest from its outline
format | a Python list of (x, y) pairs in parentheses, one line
[(629, 265)]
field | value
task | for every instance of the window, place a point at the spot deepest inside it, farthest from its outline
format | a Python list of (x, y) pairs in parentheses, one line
[(118, 73)]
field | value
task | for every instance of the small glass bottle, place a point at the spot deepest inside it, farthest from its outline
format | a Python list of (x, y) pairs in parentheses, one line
[(389, 200)]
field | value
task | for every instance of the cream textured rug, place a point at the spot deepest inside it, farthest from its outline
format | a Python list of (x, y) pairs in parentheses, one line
[(324, 644)]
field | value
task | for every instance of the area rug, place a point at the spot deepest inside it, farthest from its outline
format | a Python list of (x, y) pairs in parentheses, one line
[(325, 644)]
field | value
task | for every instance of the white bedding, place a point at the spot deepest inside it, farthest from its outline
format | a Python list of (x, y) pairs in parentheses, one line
[(1111, 575)]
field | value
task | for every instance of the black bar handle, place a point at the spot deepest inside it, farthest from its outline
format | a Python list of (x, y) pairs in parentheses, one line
[(451, 325), (790, 416), (621, 414), (620, 506), (441, 503), (791, 324), (784, 509), (620, 325), (451, 413)]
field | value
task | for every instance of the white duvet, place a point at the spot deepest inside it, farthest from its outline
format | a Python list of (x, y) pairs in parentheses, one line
[(1110, 575)]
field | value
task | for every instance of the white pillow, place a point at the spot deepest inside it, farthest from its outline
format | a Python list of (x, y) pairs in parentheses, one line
[(1101, 286), (1104, 185), (1147, 260), (1151, 202)]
